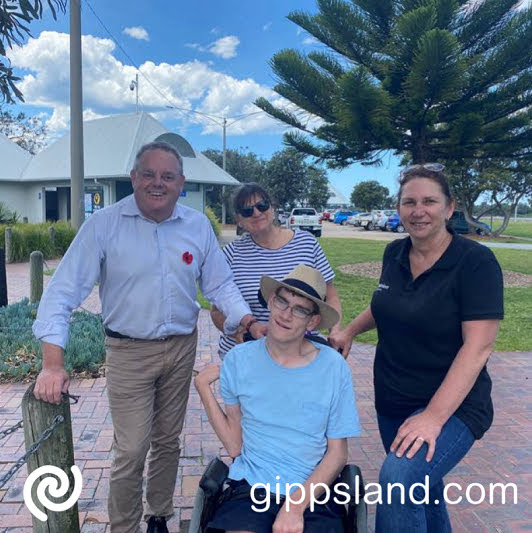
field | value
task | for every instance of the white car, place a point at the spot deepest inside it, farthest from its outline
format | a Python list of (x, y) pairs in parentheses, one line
[(283, 217), (382, 217), (356, 219)]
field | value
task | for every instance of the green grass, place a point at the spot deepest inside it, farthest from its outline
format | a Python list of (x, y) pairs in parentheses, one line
[(203, 301), (355, 291), (520, 228), (516, 260)]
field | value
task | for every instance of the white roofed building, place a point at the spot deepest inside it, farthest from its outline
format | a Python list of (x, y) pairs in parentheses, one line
[(336, 199), (38, 187)]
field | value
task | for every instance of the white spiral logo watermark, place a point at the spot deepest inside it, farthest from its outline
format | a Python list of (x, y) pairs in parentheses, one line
[(55, 488)]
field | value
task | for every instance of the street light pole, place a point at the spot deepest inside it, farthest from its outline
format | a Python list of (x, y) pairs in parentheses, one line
[(225, 125), (224, 154), (137, 92), (134, 86), (77, 171)]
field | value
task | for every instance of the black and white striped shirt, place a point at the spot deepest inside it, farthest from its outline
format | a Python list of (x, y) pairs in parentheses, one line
[(249, 262)]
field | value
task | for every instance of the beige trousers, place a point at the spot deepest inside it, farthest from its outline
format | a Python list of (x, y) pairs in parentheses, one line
[(147, 384)]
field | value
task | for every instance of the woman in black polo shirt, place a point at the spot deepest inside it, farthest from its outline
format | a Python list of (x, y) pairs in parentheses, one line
[(437, 310)]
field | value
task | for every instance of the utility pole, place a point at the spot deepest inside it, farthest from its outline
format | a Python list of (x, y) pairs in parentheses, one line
[(224, 125), (77, 171), (224, 154)]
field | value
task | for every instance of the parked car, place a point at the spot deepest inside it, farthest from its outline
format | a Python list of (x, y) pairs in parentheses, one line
[(305, 218), (394, 224), (342, 216), (282, 216), (326, 215), (355, 220), (382, 217), (459, 223), (368, 221)]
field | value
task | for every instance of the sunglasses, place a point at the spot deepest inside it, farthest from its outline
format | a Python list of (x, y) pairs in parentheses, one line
[(433, 167), (261, 205)]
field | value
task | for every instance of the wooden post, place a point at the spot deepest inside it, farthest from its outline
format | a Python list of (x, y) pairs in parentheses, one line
[(9, 255), (51, 234), (36, 276), (57, 451), (3, 279)]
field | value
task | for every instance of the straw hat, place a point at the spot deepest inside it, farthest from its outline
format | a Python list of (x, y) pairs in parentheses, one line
[(307, 282)]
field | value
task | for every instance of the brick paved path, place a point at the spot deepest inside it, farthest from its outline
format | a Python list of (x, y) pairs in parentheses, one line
[(503, 456)]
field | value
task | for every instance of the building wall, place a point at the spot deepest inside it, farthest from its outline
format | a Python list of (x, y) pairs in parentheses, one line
[(14, 197), (35, 202), (194, 196)]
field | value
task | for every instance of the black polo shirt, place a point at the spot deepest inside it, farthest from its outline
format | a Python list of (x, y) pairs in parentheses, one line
[(419, 326)]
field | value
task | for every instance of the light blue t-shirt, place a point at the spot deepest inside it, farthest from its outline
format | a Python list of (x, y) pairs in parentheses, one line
[(287, 413)]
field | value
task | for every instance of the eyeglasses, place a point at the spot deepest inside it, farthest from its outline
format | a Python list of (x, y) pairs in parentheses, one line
[(433, 167), (297, 311), (261, 205), (149, 175)]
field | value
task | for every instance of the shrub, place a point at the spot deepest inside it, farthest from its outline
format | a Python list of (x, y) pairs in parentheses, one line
[(25, 238), (20, 351), (64, 235), (6, 215), (215, 223)]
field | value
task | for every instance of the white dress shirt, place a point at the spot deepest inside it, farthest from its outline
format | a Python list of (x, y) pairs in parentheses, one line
[(148, 289)]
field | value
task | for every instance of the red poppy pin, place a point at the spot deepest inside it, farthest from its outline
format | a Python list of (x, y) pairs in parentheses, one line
[(188, 258)]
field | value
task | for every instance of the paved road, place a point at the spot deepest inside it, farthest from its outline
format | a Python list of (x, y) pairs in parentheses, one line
[(510, 245)]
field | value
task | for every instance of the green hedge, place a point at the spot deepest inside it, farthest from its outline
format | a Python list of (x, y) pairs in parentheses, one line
[(25, 238), (20, 351), (215, 223)]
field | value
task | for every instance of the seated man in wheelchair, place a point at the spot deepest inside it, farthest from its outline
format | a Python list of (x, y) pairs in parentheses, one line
[(289, 408)]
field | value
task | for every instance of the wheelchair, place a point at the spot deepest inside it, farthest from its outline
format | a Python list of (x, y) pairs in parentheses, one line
[(212, 482)]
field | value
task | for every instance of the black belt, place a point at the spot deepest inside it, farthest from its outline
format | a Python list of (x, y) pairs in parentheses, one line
[(116, 335)]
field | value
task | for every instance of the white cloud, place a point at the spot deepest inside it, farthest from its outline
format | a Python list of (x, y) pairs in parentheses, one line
[(310, 40), (267, 26), (195, 46), (192, 85), (137, 32), (225, 47)]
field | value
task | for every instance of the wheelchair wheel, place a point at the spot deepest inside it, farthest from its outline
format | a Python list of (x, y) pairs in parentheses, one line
[(195, 520), (361, 523)]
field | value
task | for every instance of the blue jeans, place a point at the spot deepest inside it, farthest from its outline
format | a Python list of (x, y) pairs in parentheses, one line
[(454, 441)]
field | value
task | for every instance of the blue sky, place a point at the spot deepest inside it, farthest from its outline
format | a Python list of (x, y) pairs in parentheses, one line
[(206, 55)]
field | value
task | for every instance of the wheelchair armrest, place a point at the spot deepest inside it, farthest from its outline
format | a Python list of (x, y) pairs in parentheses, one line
[(214, 476), (352, 476)]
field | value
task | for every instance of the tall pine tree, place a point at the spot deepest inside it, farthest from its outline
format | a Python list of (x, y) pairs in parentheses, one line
[(433, 80)]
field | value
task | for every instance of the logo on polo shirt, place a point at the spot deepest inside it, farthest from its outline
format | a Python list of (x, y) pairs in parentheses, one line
[(381, 287)]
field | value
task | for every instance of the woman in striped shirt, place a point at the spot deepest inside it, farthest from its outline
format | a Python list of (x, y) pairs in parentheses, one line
[(267, 250)]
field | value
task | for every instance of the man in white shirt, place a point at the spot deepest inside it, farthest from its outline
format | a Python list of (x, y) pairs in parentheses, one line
[(148, 254)]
